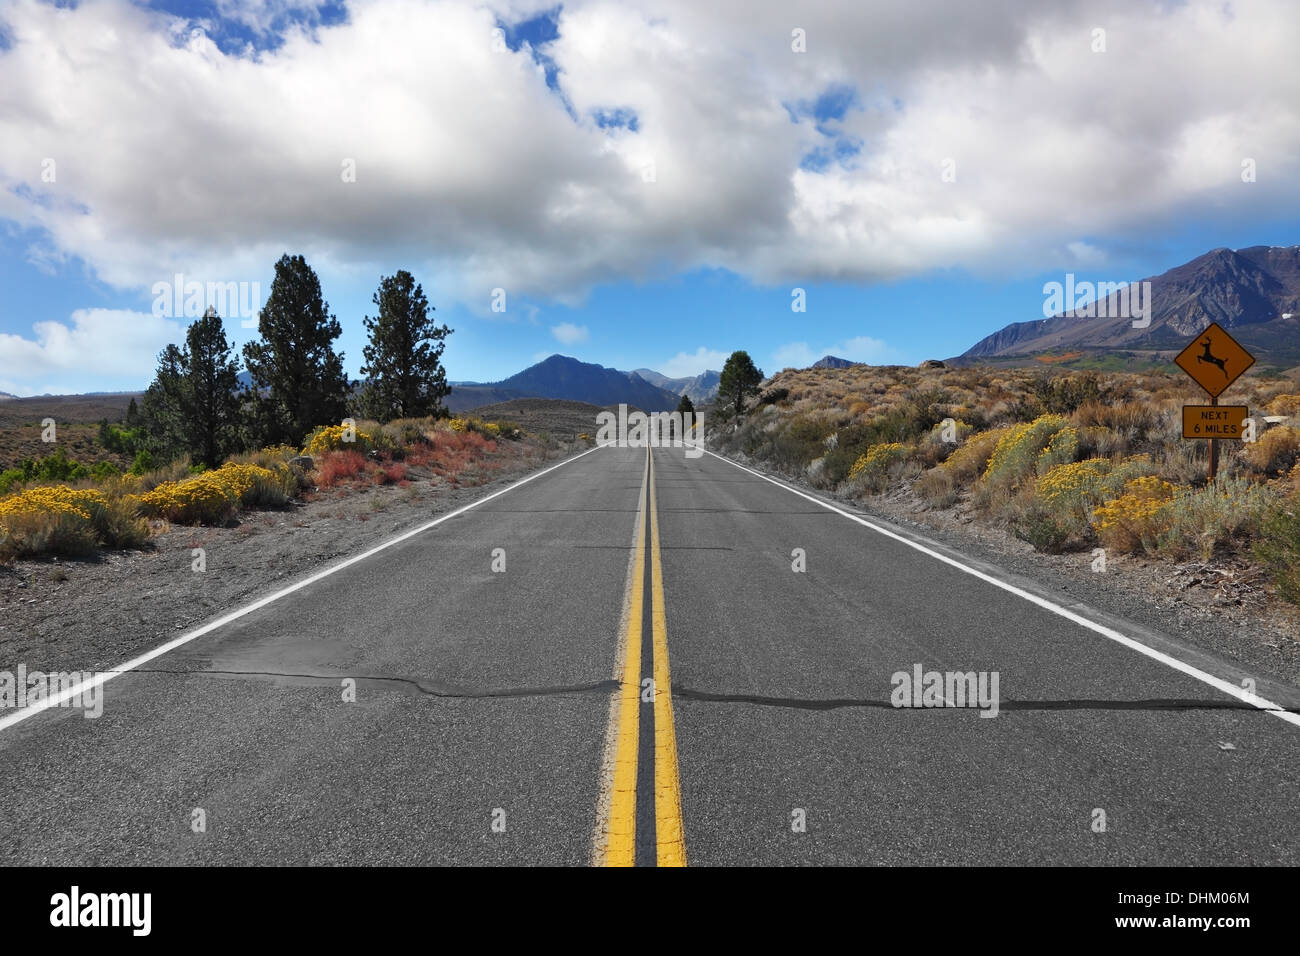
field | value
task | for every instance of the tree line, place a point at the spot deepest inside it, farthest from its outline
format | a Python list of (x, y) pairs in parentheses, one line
[(195, 404)]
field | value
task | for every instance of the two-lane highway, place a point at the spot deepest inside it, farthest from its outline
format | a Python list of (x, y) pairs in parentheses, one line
[(493, 689)]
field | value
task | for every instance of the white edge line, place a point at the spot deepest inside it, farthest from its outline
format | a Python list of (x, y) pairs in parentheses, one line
[(1216, 682), (103, 677)]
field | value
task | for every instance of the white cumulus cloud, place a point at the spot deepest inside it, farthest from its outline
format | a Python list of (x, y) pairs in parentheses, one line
[(982, 136), (689, 364), (862, 348), (570, 334), (118, 345)]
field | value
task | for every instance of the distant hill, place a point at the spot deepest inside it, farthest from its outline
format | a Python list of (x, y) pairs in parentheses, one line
[(465, 396), (1252, 292), (557, 416), (700, 388), (5, 395), (563, 377), (831, 361)]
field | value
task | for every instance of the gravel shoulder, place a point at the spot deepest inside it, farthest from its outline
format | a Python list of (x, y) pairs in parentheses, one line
[(87, 615)]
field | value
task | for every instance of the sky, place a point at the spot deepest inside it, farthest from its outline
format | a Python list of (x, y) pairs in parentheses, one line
[(638, 183)]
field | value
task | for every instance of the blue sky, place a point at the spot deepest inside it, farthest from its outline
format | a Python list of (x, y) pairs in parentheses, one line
[(647, 186)]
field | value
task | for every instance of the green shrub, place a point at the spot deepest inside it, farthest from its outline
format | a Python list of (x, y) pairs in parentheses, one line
[(1277, 547), (938, 487), (143, 462), (10, 478), (33, 533), (1219, 515), (1064, 394), (118, 524), (270, 488)]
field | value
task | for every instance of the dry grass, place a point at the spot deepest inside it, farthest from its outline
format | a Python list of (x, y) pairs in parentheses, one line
[(874, 429)]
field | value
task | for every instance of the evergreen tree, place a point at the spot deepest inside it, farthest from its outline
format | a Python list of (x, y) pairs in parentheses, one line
[(213, 374), (191, 406), (403, 370), (165, 405), (740, 377), (685, 407), (298, 380)]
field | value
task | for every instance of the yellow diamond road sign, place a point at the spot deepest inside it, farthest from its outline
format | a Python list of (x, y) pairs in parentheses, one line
[(1215, 359)]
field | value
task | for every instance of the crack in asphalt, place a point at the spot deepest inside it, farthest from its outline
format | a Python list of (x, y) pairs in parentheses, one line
[(427, 689), (454, 692), (836, 703)]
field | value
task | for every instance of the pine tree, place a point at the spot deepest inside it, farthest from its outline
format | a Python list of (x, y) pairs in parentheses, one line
[(192, 406), (740, 377), (685, 407), (298, 380), (165, 405), (403, 371), (213, 379)]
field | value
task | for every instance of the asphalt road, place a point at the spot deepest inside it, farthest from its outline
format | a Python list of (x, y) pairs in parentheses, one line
[(420, 707)]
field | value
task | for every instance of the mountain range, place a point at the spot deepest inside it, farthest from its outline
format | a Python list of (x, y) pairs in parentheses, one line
[(1254, 293), (698, 388), (563, 377)]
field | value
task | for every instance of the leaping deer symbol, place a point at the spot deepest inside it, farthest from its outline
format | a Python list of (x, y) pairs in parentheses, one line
[(1207, 357)]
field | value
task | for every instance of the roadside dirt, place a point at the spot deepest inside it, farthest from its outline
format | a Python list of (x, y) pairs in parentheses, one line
[(86, 615)]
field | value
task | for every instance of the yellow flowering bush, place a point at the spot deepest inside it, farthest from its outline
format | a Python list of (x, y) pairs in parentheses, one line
[(972, 457), (1070, 485), (214, 496), (490, 430), (1061, 450), (331, 438), (872, 467), (1137, 518), (53, 500), (1016, 454), (57, 519)]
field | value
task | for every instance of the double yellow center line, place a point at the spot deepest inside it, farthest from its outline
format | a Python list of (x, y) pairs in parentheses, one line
[(616, 838)]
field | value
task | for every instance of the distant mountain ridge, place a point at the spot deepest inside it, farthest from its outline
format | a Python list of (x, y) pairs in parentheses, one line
[(699, 388), (561, 376), (833, 361), (1252, 292)]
